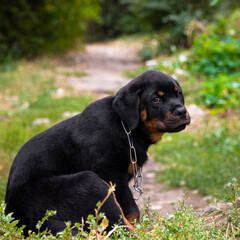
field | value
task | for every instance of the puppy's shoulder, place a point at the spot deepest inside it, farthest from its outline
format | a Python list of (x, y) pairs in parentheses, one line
[(99, 108), (103, 103)]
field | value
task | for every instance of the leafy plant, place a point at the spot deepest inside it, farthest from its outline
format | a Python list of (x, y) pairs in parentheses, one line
[(222, 91), (24, 32), (184, 223), (226, 215), (96, 226), (213, 54), (106, 25), (216, 57)]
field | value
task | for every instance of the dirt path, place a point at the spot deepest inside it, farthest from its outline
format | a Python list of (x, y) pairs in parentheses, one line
[(104, 64), (162, 199)]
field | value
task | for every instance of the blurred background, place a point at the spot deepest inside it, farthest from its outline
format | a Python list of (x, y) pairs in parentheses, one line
[(47, 47)]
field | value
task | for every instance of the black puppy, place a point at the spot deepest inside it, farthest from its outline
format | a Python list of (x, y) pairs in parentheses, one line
[(67, 167)]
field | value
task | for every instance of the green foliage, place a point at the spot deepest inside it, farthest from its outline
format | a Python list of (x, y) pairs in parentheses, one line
[(213, 54), (29, 27), (182, 224), (116, 18), (147, 52), (216, 56), (206, 161), (155, 15), (176, 17), (96, 225), (32, 85), (222, 91), (147, 16), (151, 45), (217, 50), (18, 125), (232, 191), (10, 230), (210, 72)]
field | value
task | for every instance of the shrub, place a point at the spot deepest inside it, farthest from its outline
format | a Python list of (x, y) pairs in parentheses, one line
[(214, 54), (148, 16), (222, 91), (184, 223), (216, 57), (32, 27), (116, 18), (217, 50), (169, 14)]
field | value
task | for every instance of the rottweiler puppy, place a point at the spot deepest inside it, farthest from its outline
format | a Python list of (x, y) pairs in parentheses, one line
[(67, 168)]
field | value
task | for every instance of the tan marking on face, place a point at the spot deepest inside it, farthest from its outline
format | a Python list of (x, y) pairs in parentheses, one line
[(156, 136), (143, 115), (176, 88), (152, 126), (160, 93)]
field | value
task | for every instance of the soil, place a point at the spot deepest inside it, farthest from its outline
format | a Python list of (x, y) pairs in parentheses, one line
[(103, 65)]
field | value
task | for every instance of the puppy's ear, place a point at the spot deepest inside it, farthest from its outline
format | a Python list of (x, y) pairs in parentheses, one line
[(126, 103)]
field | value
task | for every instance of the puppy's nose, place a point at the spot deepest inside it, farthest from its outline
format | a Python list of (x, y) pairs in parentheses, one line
[(180, 112)]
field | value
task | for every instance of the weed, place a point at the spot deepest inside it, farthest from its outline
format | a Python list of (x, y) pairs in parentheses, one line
[(184, 223), (222, 91), (215, 55), (96, 226)]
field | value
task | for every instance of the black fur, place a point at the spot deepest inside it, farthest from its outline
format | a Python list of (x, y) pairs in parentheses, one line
[(66, 167)]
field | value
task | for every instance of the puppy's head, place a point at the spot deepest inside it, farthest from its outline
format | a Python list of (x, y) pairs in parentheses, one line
[(153, 100)]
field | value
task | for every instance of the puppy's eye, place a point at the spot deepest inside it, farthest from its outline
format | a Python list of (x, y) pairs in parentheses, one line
[(157, 100)]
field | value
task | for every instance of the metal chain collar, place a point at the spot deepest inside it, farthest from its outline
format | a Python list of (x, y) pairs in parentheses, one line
[(137, 171)]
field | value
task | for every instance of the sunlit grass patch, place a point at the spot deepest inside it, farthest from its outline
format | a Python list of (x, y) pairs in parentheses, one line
[(74, 74), (30, 76), (18, 125), (29, 106), (205, 160)]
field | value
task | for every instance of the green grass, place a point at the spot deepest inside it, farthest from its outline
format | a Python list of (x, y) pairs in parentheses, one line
[(33, 84), (74, 74), (207, 159), (26, 76), (17, 128)]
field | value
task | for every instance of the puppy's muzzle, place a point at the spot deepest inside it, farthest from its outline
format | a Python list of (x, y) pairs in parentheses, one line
[(180, 112)]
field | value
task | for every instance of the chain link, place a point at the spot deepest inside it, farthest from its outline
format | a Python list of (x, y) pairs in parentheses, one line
[(137, 171)]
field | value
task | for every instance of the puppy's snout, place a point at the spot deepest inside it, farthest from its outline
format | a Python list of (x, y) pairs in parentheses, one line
[(180, 112)]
